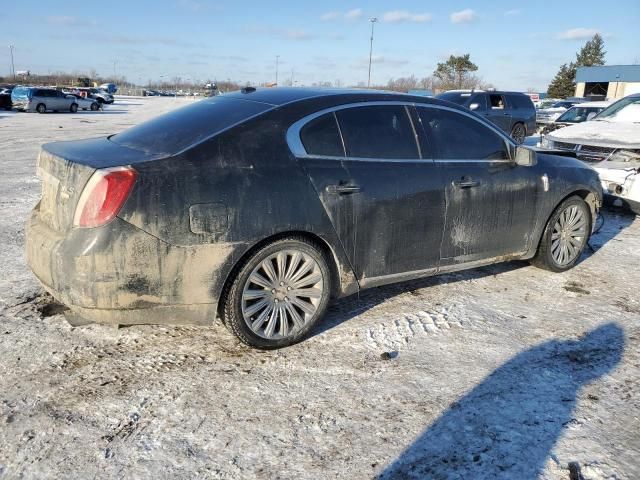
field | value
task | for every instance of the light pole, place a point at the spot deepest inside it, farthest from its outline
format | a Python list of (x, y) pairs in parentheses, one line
[(373, 20), (277, 62), (13, 68)]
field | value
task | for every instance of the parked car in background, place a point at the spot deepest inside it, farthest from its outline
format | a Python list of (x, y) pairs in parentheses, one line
[(577, 114), (364, 188), (5, 100), (548, 114), (512, 112), (110, 88), (98, 95), (611, 143), (42, 99), (86, 103)]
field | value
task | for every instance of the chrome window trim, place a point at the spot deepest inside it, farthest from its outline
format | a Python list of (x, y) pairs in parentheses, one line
[(297, 148)]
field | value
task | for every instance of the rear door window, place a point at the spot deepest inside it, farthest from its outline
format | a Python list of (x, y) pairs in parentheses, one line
[(454, 136), (322, 137), (177, 130), (496, 102), (382, 131)]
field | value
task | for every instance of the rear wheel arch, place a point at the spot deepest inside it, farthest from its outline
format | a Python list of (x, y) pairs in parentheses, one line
[(321, 244)]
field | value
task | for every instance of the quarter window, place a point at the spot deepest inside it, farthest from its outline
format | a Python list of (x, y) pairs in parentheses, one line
[(383, 131), (322, 137), (454, 136)]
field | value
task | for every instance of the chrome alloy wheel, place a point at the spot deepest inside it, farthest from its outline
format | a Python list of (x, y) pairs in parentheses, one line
[(282, 294), (569, 235)]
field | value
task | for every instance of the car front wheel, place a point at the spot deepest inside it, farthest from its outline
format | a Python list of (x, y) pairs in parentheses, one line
[(73, 108), (278, 294), (41, 108), (565, 237)]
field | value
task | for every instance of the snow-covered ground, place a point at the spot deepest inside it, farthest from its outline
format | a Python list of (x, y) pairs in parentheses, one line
[(499, 372)]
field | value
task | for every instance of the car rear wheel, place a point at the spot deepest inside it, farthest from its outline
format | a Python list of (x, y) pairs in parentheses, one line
[(94, 106), (565, 237), (41, 108), (73, 108), (518, 133), (278, 294)]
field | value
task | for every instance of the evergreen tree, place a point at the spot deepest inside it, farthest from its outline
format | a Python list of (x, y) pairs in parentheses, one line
[(592, 53), (563, 85)]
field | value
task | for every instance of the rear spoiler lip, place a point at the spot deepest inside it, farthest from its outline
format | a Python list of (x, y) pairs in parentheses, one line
[(99, 153)]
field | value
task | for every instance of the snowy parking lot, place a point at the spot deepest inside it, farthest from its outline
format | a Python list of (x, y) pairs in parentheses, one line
[(505, 371)]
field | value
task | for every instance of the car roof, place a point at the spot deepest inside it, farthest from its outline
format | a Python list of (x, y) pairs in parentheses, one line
[(477, 90), (283, 95)]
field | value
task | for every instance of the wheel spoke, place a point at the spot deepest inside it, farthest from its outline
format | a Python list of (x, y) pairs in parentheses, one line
[(281, 262), (256, 307), (303, 270), (293, 264), (295, 316), (284, 321), (306, 307), (309, 280), (254, 294), (258, 279), (267, 267), (307, 292), (271, 324), (257, 323)]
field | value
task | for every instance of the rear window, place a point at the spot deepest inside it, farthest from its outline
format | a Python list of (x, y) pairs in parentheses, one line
[(174, 131), (521, 101)]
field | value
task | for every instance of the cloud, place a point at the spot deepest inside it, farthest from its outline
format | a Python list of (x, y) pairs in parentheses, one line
[(398, 16), (354, 14), (577, 34), (464, 16), (512, 13), (330, 16), (382, 60)]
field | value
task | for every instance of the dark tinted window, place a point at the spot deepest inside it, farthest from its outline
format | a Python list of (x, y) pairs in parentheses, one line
[(181, 128), (521, 101), (454, 136), (41, 93), (496, 101), (322, 137), (378, 132)]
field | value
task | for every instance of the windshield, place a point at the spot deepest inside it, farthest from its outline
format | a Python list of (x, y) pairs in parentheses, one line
[(21, 93), (625, 110), (461, 98), (177, 130), (577, 114)]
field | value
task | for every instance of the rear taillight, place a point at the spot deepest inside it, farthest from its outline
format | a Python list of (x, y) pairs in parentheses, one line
[(103, 196)]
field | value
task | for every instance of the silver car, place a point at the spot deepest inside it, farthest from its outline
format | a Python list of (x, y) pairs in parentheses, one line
[(86, 103), (41, 100)]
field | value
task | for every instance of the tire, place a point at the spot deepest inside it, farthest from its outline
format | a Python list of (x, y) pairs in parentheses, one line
[(279, 316), (73, 108), (41, 108), (94, 107), (575, 214), (518, 133)]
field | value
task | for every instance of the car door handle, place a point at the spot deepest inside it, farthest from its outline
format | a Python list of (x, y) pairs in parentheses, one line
[(343, 189), (465, 183)]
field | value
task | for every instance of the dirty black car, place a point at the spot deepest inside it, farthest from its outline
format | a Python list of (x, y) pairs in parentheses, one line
[(259, 206)]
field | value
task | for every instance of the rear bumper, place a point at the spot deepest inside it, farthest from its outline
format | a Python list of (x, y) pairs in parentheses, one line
[(119, 274), (616, 201)]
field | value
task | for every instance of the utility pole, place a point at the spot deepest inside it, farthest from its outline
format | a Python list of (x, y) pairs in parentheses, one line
[(292, 77), (277, 62), (373, 21), (13, 68)]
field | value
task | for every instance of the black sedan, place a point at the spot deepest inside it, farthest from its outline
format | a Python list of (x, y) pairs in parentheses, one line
[(259, 206)]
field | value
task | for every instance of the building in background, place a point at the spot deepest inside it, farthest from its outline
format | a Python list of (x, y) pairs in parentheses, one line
[(607, 81)]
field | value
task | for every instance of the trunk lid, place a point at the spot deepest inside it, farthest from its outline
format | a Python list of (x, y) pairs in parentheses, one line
[(66, 167)]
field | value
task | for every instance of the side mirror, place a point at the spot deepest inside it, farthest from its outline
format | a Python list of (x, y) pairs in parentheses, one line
[(591, 115), (474, 106), (525, 157)]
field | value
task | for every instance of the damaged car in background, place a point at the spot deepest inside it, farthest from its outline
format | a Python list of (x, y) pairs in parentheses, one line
[(582, 112), (611, 143), (260, 206)]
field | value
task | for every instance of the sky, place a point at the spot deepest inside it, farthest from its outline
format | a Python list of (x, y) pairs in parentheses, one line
[(516, 45)]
